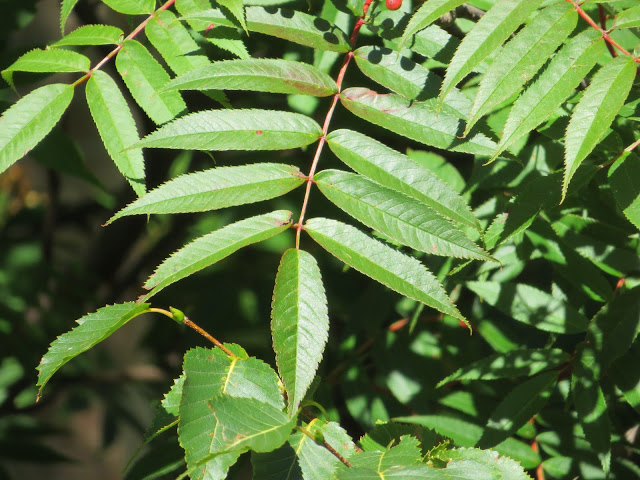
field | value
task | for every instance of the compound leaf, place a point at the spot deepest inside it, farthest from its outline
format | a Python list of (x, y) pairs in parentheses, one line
[(397, 216), (399, 172), (145, 77), (596, 111), (117, 128), (522, 57), (488, 34), (217, 188), (92, 35), (399, 272), (259, 75), (531, 306), (29, 120), (299, 323), (418, 121), (235, 130), (91, 330), (553, 87), (215, 246)]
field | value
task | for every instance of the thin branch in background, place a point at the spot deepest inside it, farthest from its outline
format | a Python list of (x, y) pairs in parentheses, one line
[(603, 24)]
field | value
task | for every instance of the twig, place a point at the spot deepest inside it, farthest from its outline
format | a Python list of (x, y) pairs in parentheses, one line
[(603, 24)]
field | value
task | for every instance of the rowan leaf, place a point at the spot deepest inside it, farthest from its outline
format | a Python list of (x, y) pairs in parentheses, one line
[(215, 246), (531, 306), (299, 323), (517, 408), (407, 78), (485, 37), (236, 8), (394, 170), (30, 119), (397, 216), (216, 188), (65, 10), (235, 130), (521, 362), (178, 49), (428, 13), (145, 77), (553, 86), (91, 330), (596, 111), (210, 373), (629, 18), (292, 25), (117, 128), (92, 35), (623, 176), (49, 60), (259, 75), (399, 272), (522, 57), (418, 121), (131, 7)]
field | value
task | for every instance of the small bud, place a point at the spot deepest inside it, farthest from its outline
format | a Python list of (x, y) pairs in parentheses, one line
[(178, 316)]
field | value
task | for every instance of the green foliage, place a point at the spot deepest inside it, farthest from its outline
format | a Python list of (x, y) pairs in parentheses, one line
[(495, 192)]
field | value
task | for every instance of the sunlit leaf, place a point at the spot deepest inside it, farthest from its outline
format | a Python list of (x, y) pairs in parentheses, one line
[(47, 61), (131, 7), (65, 11), (92, 35), (428, 13), (397, 271), (91, 330), (629, 18), (216, 188)]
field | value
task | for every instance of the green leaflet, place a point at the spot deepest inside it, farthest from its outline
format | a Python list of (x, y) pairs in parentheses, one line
[(178, 49), (299, 323), (397, 216), (628, 379), (235, 130), (590, 405), (522, 57), (399, 172), (92, 35), (29, 120), (280, 463), (487, 35), (65, 11), (623, 176), (47, 61), (132, 7), (171, 400), (629, 18), (247, 423), (236, 7), (215, 246), (399, 272), (117, 128), (209, 374), (418, 121), (407, 78), (467, 434), (596, 111), (515, 363), (428, 13), (295, 26), (91, 330), (260, 75), (466, 464), (226, 37), (531, 306), (553, 87), (517, 408), (381, 464), (145, 77), (216, 188)]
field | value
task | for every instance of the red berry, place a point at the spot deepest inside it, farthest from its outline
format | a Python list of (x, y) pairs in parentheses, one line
[(394, 4)]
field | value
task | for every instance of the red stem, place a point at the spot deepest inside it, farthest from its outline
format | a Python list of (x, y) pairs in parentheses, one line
[(115, 51), (605, 34), (327, 120), (603, 24)]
